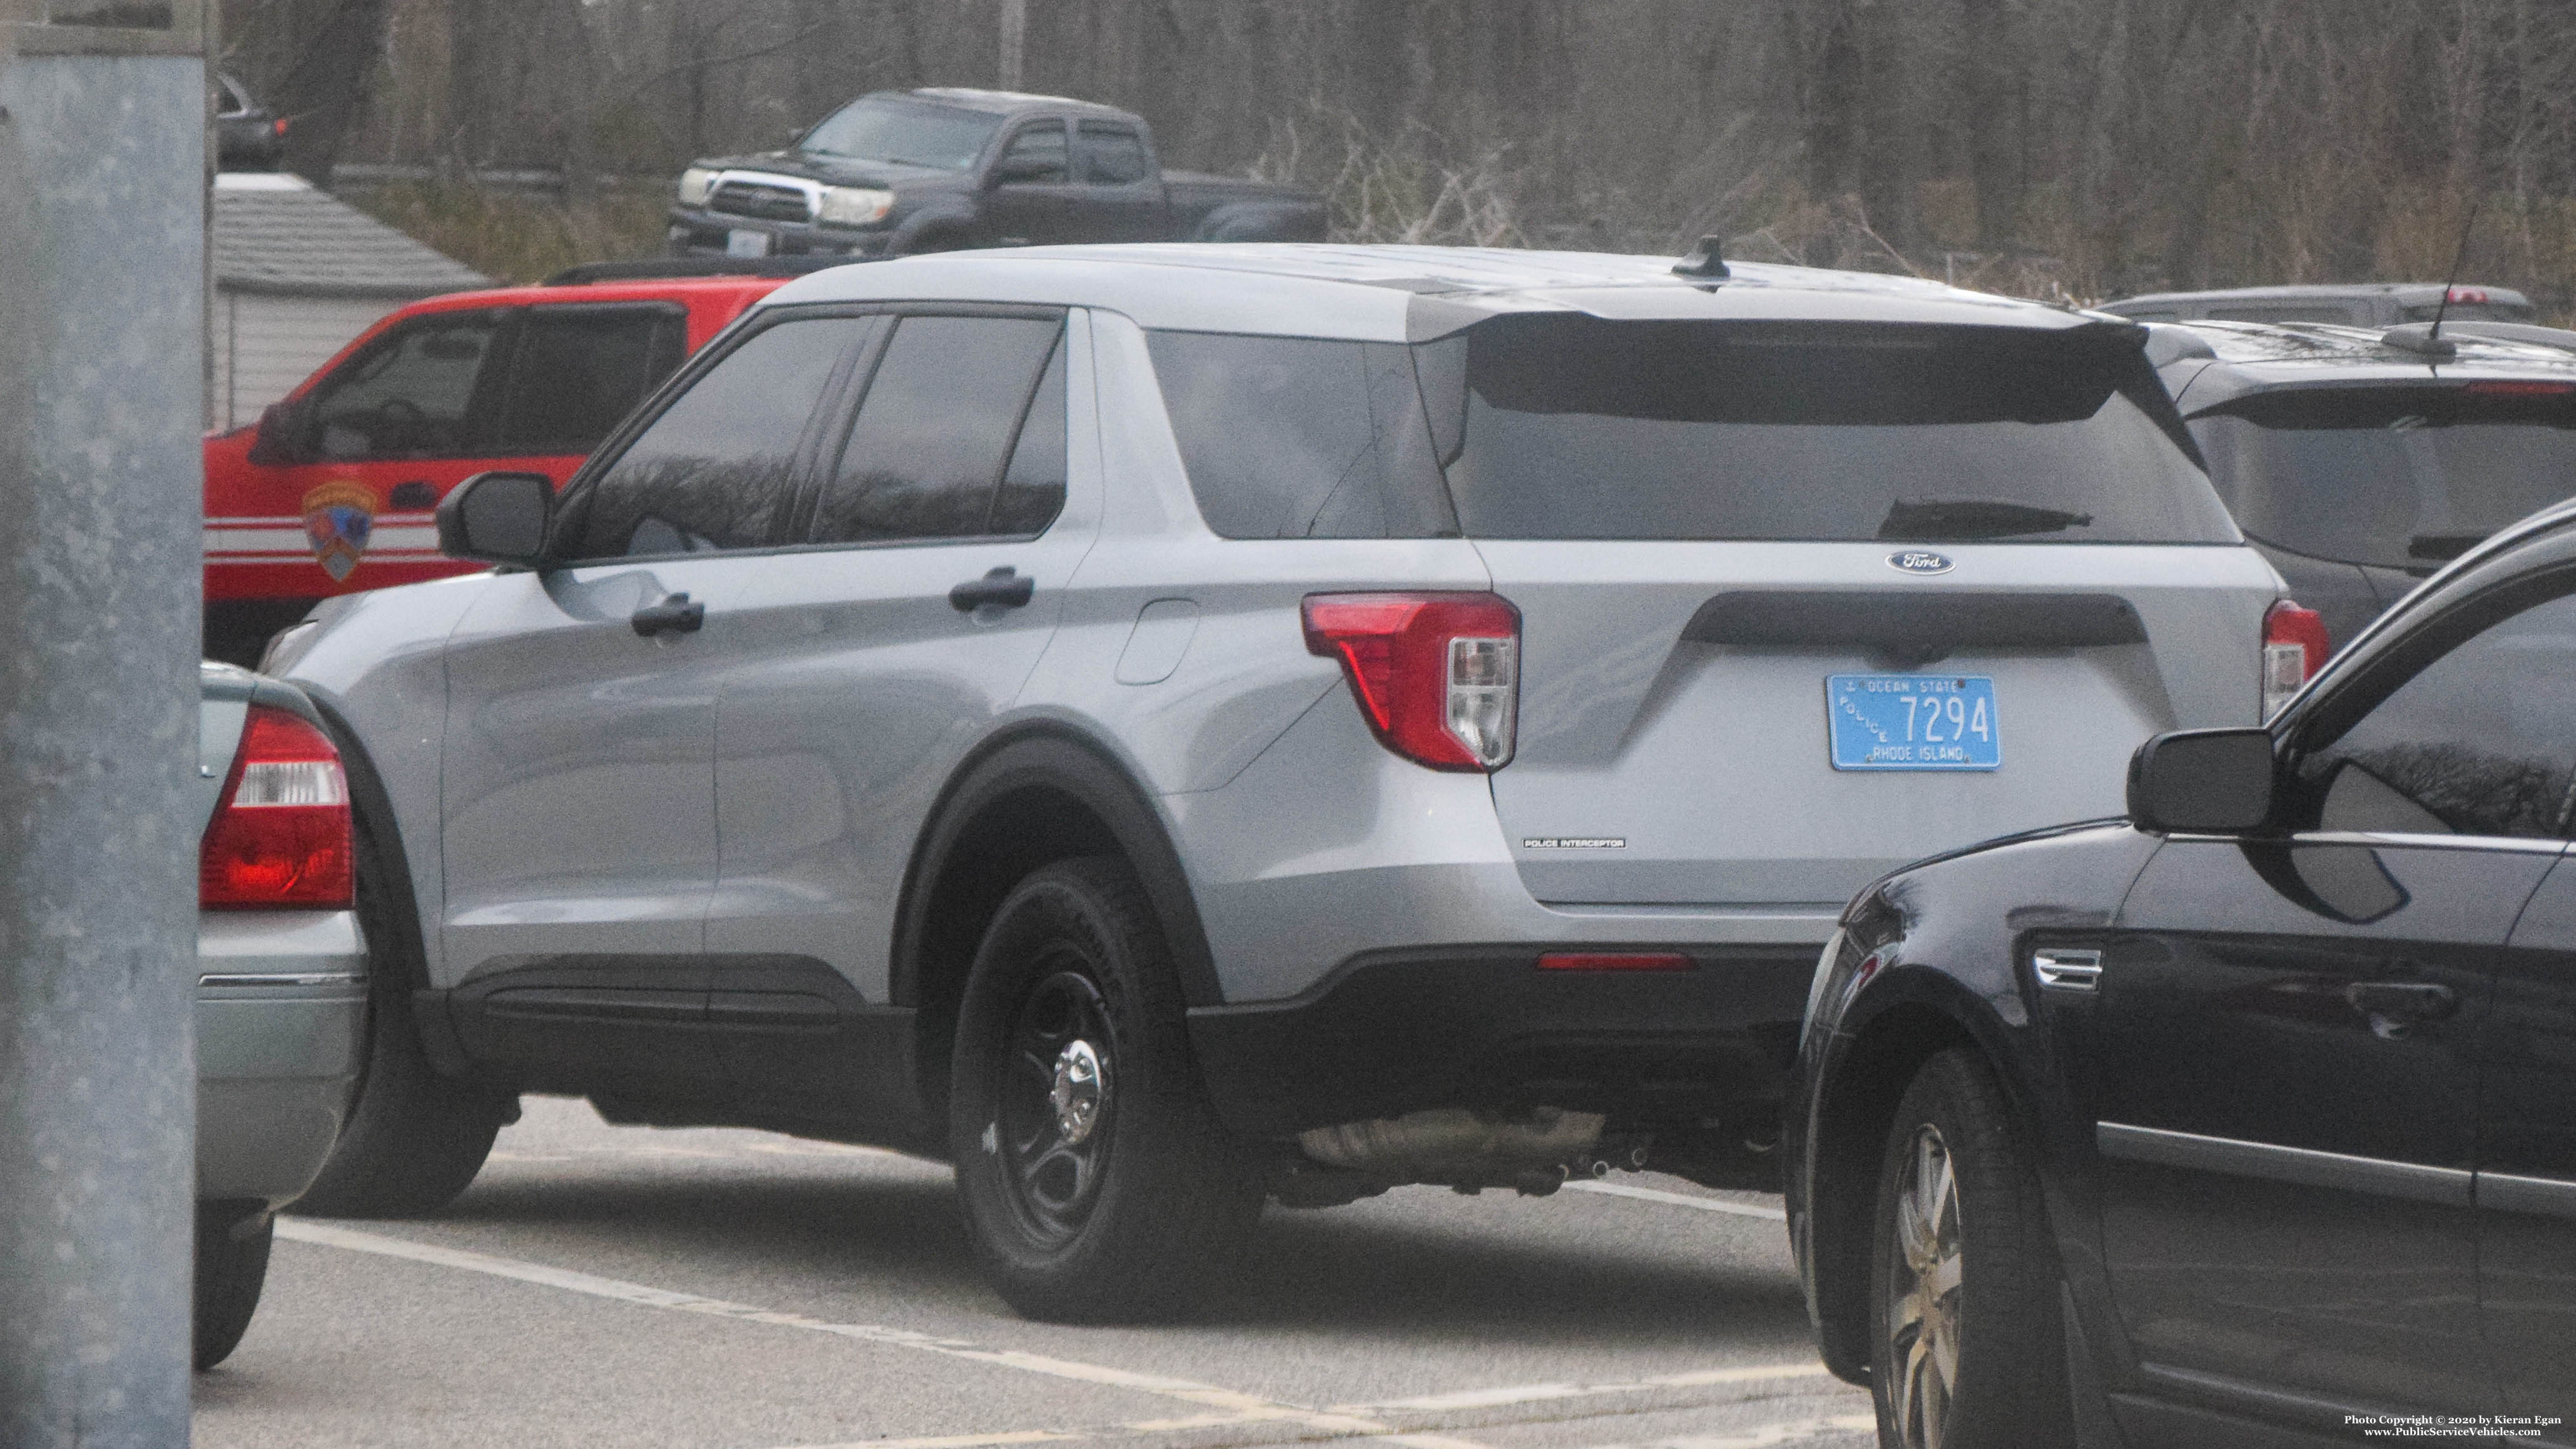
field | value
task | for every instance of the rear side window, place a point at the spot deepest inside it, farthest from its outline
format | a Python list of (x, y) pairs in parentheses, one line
[(1112, 155), (2394, 476), (716, 469), (1572, 427), (579, 370), (1292, 437), (939, 428), (416, 392)]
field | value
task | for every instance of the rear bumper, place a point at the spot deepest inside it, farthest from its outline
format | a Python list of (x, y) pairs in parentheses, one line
[(281, 1022), (1481, 1026)]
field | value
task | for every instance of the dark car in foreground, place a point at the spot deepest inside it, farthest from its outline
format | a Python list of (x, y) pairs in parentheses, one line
[(2357, 460), (934, 170), (2249, 1118)]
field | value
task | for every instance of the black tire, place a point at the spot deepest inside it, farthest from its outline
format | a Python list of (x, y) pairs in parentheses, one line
[(1988, 1308), (1142, 1205), (232, 1266), (414, 1139)]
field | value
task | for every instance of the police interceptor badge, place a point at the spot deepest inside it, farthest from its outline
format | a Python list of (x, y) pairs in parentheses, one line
[(339, 517), (1574, 842)]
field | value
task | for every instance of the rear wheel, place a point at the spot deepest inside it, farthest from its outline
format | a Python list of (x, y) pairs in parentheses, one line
[(232, 1265), (1097, 1182), (1963, 1288), (414, 1139)]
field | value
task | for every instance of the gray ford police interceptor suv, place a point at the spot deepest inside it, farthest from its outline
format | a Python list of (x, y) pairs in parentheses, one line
[(1160, 726)]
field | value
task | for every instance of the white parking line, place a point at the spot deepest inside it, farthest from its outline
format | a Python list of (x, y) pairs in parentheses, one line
[(1764, 1437), (1675, 1199), (1246, 1408), (1537, 1393)]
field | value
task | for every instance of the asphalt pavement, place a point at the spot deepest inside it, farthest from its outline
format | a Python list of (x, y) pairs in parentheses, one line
[(706, 1289)]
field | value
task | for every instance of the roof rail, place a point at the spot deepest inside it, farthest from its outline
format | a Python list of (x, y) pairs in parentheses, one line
[(647, 269)]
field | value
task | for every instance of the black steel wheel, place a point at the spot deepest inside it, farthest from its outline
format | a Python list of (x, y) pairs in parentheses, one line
[(1968, 1351), (1098, 1184)]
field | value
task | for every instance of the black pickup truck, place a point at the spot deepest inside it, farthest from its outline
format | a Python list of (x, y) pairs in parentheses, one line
[(930, 170)]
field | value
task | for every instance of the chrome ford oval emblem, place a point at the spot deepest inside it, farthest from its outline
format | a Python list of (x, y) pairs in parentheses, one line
[(1919, 561)]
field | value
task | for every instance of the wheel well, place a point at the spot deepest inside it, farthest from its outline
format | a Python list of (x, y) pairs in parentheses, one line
[(1851, 1133), (1025, 802), (1006, 837)]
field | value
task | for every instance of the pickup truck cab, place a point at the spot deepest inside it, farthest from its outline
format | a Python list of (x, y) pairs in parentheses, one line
[(942, 168), (331, 492)]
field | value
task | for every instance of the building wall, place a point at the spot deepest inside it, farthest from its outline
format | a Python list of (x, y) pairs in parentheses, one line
[(264, 345)]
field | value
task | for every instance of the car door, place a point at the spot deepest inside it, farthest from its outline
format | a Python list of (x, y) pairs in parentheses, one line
[(2526, 1187), (578, 778), (2288, 1111), (1122, 191), (1033, 194), (938, 548), (383, 436)]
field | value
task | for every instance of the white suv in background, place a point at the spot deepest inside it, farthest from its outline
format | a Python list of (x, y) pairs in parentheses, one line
[(1160, 726)]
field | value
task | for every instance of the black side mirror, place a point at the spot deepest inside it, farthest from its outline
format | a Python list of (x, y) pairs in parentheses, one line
[(2202, 782), (280, 438), (500, 518)]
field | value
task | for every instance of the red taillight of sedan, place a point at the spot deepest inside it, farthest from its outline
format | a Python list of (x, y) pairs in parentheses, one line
[(2294, 649), (1436, 675), (280, 837)]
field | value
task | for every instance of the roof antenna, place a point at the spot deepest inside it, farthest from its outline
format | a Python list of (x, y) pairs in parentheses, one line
[(2429, 341), (1705, 261)]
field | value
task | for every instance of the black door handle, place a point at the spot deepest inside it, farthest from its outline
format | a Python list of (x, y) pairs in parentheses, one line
[(2402, 1000), (1002, 587), (674, 615)]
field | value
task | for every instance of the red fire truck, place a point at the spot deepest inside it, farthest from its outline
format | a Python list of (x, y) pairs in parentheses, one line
[(333, 490)]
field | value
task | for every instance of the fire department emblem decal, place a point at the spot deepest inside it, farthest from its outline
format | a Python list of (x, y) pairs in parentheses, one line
[(338, 518)]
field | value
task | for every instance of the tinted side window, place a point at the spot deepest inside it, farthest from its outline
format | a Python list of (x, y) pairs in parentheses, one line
[(1041, 148), (928, 449), (411, 394), (578, 371), (2481, 741), (716, 469), (1112, 155), (1290, 437)]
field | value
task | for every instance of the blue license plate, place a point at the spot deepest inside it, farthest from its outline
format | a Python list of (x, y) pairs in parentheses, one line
[(1912, 722)]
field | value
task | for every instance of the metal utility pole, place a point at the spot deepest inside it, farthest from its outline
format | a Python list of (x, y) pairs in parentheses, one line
[(102, 164), (1015, 42)]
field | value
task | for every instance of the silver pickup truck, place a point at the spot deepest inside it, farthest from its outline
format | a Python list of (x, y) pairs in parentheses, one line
[(281, 980)]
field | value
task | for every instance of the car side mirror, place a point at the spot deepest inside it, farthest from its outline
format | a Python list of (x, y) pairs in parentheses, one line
[(500, 518), (2202, 782), (279, 439)]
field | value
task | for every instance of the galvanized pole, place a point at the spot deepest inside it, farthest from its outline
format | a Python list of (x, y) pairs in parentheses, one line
[(1015, 42), (102, 167)]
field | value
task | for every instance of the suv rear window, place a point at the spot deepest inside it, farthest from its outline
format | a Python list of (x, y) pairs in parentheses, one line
[(2396, 476), (1575, 427), (1292, 437)]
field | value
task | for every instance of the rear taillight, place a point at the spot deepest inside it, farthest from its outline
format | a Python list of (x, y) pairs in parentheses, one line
[(280, 837), (1436, 675), (2294, 649)]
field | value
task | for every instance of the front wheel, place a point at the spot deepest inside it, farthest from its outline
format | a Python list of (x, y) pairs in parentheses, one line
[(232, 1265), (1964, 1282), (1097, 1182), (413, 1139)]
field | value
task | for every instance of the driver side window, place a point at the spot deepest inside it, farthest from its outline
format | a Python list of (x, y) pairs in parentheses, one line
[(413, 393), (2480, 741)]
